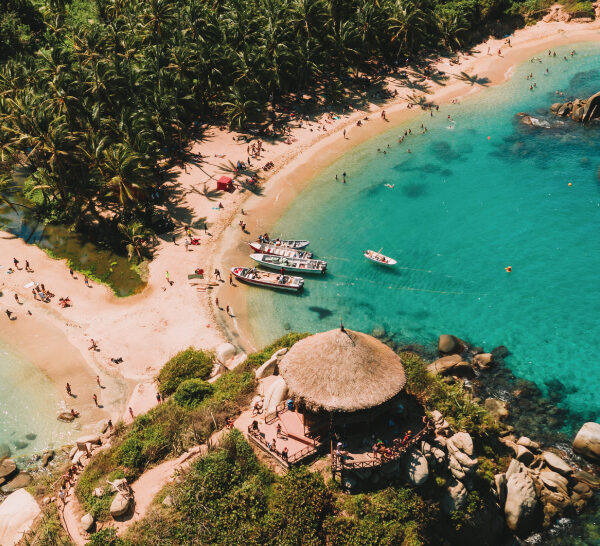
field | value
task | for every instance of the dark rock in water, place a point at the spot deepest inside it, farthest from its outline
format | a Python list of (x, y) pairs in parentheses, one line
[(586, 477), (322, 312), (4, 451), (580, 109), (500, 352), (557, 390), (31, 436), (20, 444), (449, 344)]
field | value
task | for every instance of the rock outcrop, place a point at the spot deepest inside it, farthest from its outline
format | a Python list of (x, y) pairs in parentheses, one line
[(416, 468), (87, 522), (17, 514), (452, 364), (120, 505), (455, 497), (580, 109), (522, 508), (587, 442), (449, 344)]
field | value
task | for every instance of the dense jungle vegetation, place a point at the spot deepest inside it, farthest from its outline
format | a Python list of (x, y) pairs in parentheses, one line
[(97, 97)]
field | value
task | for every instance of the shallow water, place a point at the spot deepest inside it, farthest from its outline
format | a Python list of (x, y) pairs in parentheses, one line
[(476, 194), (28, 406)]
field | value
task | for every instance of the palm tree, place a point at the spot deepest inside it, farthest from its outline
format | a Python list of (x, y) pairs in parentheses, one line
[(135, 236)]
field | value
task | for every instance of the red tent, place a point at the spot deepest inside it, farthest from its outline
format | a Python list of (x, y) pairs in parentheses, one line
[(224, 184)]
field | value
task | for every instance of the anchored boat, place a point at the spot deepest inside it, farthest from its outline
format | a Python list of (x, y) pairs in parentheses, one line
[(379, 258), (268, 279), (265, 248), (296, 265), (288, 243)]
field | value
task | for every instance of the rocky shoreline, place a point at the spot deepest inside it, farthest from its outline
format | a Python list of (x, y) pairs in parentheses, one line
[(553, 476), (583, 110)]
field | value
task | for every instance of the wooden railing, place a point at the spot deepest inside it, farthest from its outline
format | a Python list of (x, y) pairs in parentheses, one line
[(299, 455), (274, 415), (292, 459), (338, 463)]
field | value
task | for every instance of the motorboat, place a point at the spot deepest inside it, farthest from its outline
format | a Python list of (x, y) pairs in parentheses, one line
[(298, 244), (251, 275), (295, 265)]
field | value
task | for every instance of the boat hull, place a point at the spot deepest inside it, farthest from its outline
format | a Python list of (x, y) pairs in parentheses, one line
[(280, 251), (290, 269), (264, 284), (390, 262)]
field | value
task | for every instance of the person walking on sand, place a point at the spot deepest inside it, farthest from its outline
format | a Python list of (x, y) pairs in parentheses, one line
[(93, 346), (17, 299), (98, 381), (9, 314), (230, 279), (217, 303), (227, 309), (158, 398), (68, 387), (86, 281), (27, 267), (34, 294), (168, 278), (71, 272), (131, 412), (217, 274), (95, 399), (16, 262)]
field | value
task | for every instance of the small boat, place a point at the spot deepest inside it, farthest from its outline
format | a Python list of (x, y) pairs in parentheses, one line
[(379, 258), (265, 248), (297, 265), (251, 275), (288, 243)]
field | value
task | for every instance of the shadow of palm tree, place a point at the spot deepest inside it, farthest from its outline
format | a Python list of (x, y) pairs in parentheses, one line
[(472, 80)]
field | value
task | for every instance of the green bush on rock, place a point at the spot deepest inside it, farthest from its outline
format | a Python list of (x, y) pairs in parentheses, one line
[(191, 392), (188, 364)]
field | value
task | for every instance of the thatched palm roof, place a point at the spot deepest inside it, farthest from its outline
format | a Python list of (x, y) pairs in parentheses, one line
[(342, 371)]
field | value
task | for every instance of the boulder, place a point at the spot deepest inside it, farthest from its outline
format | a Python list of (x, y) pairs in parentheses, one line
[(500, 352), (120, 505), (556, 463), (483, 360), (4, 451), (268, 368), (47, 457), (17, 514), (93, 439), (587, 478), (277, 392), (553, 480), (555, 107), (529, 444), (591, 108), (463, 442), (521, 508), (72, 452), (87, 522), (224, 352), (523, 455), (98, 492), (7, 468), (280, 352), (452, 364), (455, 496), (498, 408), (22, 479), (583, 490), (65, 416), (119, 484), (587, 441), (416, 468), (168, 501), (449, 344)]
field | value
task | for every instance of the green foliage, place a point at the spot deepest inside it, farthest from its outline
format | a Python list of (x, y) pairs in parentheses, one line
[(188, 364), (255, 360), (191, 392), (106, 537), (48, 531), (450, 400), (474, 505), (20, 21)]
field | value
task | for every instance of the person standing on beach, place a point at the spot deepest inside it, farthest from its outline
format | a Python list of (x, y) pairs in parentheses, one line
[(217, 274), (27, 268), (168, 278), (131, 412), (98, 381), (68, 387), (86, 281), (71, 272), (16, 262), (230, 279), (9, 314), (95, 399)]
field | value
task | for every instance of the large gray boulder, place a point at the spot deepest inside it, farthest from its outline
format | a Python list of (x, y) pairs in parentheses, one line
[(455, 496), (416, 467), (120, 505), (87, 522), (463, 442), (556, 463), (587, 441), (449, 344), (522, 508), (591, 108), (17, 514), (267, 369), (483, 360)]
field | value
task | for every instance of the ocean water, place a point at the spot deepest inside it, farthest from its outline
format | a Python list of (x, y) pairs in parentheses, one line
[(28, 408), (477, 194)]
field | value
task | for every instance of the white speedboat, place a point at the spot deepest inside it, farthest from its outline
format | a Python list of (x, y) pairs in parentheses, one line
[(265, 248), (251, 275), (296, 265), (288, 243), (379, 258)]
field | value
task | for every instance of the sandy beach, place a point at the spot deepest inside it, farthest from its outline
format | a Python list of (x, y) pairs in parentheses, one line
[(145, 330)]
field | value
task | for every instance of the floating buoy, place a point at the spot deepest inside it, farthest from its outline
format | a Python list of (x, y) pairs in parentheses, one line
[(570, 184), (489, 138), (508, 268)]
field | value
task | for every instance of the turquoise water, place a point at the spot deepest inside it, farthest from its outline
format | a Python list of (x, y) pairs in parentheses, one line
[(465, 206), (28, 407)]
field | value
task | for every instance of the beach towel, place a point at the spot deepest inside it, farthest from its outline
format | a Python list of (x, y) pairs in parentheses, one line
[(29, 285), (195, 276)]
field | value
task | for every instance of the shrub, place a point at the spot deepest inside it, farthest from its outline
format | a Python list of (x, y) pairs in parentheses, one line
[(188, 364), (191, 392)]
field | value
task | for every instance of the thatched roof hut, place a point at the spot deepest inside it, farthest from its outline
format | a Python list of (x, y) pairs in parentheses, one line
[(342, 371)]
